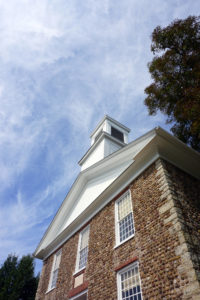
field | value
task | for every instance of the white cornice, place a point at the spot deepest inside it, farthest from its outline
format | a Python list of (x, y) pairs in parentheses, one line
[(133, 171), (160, 144), (95, 170)]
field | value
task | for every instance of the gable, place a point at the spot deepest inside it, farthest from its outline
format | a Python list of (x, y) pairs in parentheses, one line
[(89, 185), (91, 191), (97, 185)]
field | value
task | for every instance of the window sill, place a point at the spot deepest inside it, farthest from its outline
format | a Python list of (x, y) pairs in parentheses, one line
[(78, 290), (78, 272), (49, 290), (126, 240)]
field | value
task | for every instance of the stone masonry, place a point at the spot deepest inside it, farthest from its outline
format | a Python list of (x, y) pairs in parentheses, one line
[(183, 202), (166, 243)]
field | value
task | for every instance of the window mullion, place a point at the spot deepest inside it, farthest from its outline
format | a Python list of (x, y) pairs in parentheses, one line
[(124, 218), (82, 252)]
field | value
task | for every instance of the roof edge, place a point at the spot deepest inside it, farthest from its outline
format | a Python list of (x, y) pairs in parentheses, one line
[(160, 140)]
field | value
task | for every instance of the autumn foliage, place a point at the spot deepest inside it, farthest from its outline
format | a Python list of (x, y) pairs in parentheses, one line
[(175, 70)]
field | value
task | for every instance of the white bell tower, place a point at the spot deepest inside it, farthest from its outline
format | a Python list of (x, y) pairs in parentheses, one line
[(108, 137)]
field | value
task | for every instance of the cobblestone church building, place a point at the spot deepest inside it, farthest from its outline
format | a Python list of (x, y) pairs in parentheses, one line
[(129, 228)]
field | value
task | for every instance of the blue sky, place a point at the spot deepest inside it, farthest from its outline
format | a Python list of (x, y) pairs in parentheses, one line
[(63, 66)]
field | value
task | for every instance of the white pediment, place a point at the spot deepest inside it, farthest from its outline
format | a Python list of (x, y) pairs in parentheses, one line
[(92, 190), (98, 184), (89, 185)]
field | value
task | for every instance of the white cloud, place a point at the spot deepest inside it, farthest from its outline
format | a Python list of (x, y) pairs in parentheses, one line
[(64, 64)]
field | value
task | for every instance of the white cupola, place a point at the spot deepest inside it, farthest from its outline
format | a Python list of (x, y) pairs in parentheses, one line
[(108, 137)]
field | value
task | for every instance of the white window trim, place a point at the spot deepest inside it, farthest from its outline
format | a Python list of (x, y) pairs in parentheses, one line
[(77, 270), (125, 269), (59, 252), (85, 292), (117, 234)]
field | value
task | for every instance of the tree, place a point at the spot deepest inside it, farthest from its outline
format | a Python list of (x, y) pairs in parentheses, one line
[(17, 280), (176, 74), (8, 278)]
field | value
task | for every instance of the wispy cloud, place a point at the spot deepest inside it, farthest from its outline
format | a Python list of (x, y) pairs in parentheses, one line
[(63, 65)]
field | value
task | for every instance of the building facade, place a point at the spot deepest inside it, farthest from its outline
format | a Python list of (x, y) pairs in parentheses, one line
[(129, 229)]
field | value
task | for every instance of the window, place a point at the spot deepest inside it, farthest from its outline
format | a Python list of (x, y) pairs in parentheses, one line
[(117, 134), (124, 218), (128, 283), (82, 249), (55, 267)]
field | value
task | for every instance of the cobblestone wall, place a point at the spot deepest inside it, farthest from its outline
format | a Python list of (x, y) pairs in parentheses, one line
[(185, 199), (166, 242)]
